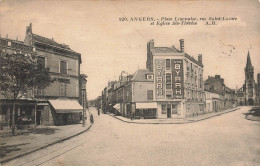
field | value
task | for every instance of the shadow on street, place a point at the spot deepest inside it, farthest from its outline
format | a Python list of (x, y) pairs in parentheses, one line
[(45, 131), (4, 150), (253, 114)]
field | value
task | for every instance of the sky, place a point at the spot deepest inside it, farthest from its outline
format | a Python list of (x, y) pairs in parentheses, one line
[(109, 46)]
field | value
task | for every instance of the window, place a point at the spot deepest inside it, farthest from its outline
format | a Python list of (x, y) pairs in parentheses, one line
[(149, 76), (62, 90), (163, 109), (150, 95), (168, 64), (41, 61), (63, 80), (250, 94), (168, 86), (174, 109), (168, 96), (168, 78), (63, 67), (39, 91)]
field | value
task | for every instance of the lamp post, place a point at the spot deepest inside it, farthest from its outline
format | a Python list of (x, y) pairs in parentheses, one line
[(83, 105)]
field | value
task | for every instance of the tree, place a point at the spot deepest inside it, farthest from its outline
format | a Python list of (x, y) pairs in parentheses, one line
[(19, 74)]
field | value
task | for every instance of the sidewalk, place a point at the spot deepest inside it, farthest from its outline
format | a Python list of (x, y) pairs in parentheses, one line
[(173, 121), (31, 140)]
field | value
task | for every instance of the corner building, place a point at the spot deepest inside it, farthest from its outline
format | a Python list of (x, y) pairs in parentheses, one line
[(178, 81)]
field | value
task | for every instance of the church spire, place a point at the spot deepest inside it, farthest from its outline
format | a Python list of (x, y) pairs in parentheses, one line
[(248, 62)]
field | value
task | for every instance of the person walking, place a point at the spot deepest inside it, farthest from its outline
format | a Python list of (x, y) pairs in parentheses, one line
[(91, 118), (98, 112)]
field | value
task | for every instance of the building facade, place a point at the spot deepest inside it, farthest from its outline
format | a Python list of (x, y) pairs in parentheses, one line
[(57, 104), (248, 94), (224, 97), (25, 108), (178, 81)]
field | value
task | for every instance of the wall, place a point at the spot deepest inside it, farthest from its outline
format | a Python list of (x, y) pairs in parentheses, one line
[(140, 91)]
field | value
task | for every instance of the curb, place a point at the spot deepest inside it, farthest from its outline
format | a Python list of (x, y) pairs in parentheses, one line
[(186, 122), (32, 151)]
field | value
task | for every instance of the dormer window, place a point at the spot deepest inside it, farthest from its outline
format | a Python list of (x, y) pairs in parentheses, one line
[(149, 77)]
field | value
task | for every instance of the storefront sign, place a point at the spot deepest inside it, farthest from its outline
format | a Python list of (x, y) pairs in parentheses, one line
[(177, 78), (159, 78)]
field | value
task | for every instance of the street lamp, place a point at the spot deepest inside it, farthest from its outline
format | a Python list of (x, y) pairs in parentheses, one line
[(83, 105)]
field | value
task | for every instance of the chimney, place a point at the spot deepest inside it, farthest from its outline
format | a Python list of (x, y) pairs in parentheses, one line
[(200, 58), (182, 45), (150, 44), (29, 28), (217, 76), (7, 36), (16, 38)]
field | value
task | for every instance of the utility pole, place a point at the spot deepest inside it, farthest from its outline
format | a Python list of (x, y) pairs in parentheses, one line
[(84, 111)]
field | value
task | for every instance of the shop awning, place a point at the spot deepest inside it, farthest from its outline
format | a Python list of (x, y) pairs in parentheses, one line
[(117, 106), (146, 105), (66, 106)]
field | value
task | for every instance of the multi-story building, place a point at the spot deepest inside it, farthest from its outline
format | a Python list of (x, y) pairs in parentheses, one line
[(25, 108), (213, 101), (57, 104), (248, 93), (227, 97), (178, 81), (64, 64), (83, 91), (138, 99)]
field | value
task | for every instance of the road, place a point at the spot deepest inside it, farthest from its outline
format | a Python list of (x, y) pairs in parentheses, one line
[(224, 140)]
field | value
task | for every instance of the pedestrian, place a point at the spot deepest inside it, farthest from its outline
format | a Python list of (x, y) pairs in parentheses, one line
[(91, 118), (98, 112)]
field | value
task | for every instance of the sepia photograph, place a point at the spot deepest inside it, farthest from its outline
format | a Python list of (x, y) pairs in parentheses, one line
[(129, 83)]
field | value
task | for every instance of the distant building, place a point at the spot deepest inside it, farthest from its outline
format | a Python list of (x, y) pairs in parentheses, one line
[(248, 94), (83, 91), (213, 100), (226, 97), (139, 95), (171, 86)]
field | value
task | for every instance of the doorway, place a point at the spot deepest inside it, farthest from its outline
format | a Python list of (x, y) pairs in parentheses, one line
[(250, 101), (168, 111), (38, 117)]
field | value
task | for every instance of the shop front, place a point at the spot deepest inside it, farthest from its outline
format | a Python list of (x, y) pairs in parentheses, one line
[(146, 110), (24, 114), (117, 109), (66, 112), (169, 110)]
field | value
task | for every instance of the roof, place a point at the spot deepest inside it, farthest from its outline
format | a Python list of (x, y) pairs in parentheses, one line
[(193, 60), (210, 90), (174, 50), (48, 41), (140, 75), (12, 40), (165, 50), (248, 62)]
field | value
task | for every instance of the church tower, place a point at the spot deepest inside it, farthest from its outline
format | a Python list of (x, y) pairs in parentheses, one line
[(250, 94)]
